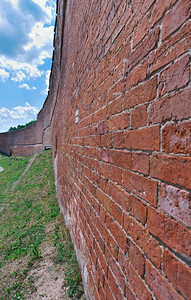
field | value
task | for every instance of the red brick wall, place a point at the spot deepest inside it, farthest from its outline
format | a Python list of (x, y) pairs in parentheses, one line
[(123, 173)]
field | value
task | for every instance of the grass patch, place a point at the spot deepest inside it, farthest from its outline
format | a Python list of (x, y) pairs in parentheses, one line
[(30, 225), (66, 256)]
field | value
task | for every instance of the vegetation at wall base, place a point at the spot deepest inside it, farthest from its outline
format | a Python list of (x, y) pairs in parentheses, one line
[(33, 236)]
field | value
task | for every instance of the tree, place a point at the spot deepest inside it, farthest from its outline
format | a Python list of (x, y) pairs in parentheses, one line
[(21, 126)]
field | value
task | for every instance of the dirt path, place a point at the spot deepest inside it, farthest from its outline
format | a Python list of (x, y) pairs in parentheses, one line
[(27, 168)]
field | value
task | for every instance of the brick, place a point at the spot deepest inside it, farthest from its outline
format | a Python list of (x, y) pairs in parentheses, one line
[(119, 140), (137, 284), (116, 174), (139, 116), (119, 158), (104, 169), (160, 286), (143, 93), (175, 202), (173, 234), (116, 90), (171, 169), (102, 294), (119, 195), (113, 283), (160, 9), (141, 30), (101, 257), (171, 49), (180, 13), (108, 290), (120, 121), (115, 106), (129, 293), (143, 239), (177, 138), (175, 76), (143, 139), (178, 273), (136, 75), (106, 140), (117, 272), (113, 246), (136, 258), (175, 107), (141, 186), (119, 235), (143, 48), (137, 209), (104, 200), (117, 213), (140, 163)]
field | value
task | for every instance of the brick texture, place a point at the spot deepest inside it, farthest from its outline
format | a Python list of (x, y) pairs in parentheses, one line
[(123, 172)]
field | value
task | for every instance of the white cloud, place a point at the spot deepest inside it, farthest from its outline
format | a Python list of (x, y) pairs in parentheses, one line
[(3, 74), (19, 76), (26, 86), (47, 78), (48, 6), (18, 115), (40, 35), (26, 38), (14, 3), (19, 70)]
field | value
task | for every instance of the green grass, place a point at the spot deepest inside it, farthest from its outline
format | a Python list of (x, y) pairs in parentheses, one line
[(25, 216)]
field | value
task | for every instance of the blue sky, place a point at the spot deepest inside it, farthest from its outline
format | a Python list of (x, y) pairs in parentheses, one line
[(26, 45)]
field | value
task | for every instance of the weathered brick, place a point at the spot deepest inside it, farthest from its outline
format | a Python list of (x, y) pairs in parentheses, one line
[(175, 235), (115, 106), (120, 121), (137, 75), (171, 49), (137, 284), (159, 285), (137, 209), (174, 107), (177, 138), (140, 163), (141, 186), (119, 158), (143, 48), (136, 258), (144, 92), (104, 200), (143, 139), (116, 174), (119, 195), (175, 76), (172, 169), (141, 30), (117, 213), (160, 9), (139, 116), (143, 239), (178, 273), (180, 13), (119, 235), (175, 202)]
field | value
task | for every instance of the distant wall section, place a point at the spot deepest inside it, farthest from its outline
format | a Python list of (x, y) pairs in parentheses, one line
[(37, 136)]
